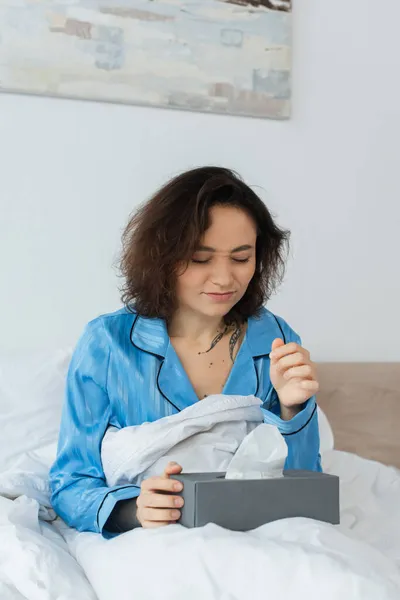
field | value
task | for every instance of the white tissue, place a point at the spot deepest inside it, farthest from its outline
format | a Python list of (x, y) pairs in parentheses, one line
[(261, 455)]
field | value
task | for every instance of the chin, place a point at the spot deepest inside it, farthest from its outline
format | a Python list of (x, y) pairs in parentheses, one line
[(214, 311)]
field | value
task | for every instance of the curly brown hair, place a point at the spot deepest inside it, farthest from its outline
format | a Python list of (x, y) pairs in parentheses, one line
[(166, 230)]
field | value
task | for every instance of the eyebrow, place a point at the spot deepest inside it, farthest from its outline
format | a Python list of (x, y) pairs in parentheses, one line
[(238, 249)]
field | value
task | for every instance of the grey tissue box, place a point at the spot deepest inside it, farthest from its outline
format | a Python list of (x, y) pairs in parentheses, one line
[(244, 504)]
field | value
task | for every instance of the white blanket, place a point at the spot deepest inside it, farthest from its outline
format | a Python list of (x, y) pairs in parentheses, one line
[(35, 563), (296, 558), (203, 437), (292, 558)]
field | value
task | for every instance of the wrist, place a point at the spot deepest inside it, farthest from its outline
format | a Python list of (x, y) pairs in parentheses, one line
[(123, 517), (288, 412)]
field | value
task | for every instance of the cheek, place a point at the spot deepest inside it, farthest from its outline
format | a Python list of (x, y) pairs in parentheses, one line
[(246, 275), (191, 279)]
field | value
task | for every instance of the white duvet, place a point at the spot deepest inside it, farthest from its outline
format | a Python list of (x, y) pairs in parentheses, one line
[(34, 560), (293, 558)]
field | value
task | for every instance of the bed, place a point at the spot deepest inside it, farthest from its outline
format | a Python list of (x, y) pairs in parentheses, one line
[(42, 559)]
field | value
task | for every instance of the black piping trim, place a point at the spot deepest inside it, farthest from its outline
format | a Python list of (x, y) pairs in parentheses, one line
[(157, 356), (283, 335), (279, 325), (133, 325), (305, 424), (106, 496), (261, 355), (162, 393), (138, 347), (258, 379)]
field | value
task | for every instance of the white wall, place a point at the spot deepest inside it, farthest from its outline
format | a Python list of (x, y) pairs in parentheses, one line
[(71, 172)]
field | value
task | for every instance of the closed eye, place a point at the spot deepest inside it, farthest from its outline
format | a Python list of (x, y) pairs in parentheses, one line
[(204, 262)]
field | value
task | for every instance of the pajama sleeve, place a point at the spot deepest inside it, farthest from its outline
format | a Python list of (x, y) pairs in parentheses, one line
[(79, 492), (300, 433)]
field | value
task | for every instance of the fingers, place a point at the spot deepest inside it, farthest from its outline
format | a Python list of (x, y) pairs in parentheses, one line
[(161, 484), (155, 510), (155, 524), (172, 468), (303, 372), (153, 500), (292, 360), (311, 386), (287, 349), (277, 343), (159, 515), (157, 505)]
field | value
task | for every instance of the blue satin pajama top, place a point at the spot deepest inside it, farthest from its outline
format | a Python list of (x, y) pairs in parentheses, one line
[(124, 371)]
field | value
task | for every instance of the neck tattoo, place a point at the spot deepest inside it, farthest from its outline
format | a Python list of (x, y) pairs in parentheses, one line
[(232, 342)]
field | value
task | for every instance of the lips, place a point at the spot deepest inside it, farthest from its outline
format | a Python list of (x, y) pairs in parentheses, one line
[(225, 296)]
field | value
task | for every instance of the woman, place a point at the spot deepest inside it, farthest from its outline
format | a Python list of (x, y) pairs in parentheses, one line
[(199, 260)]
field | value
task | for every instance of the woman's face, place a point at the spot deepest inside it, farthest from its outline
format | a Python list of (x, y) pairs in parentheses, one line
[(223, 265)]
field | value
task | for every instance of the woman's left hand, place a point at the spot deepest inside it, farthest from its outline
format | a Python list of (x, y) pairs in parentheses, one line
[(293, 376)]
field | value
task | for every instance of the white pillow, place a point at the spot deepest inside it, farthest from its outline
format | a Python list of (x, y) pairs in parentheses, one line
[(31, 398)]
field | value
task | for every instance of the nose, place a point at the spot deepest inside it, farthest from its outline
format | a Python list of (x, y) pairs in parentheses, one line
[(221, 275)]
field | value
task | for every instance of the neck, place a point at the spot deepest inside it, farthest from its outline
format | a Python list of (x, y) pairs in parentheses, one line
[(194, 327)]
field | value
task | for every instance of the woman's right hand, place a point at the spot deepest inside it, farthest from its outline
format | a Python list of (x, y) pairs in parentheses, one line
[(154, 507)]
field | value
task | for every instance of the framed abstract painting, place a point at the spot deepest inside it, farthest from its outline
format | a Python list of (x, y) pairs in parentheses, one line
[(219, 56)]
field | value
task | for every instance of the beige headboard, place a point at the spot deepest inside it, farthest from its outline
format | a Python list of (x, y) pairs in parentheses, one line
[(362, 403)]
